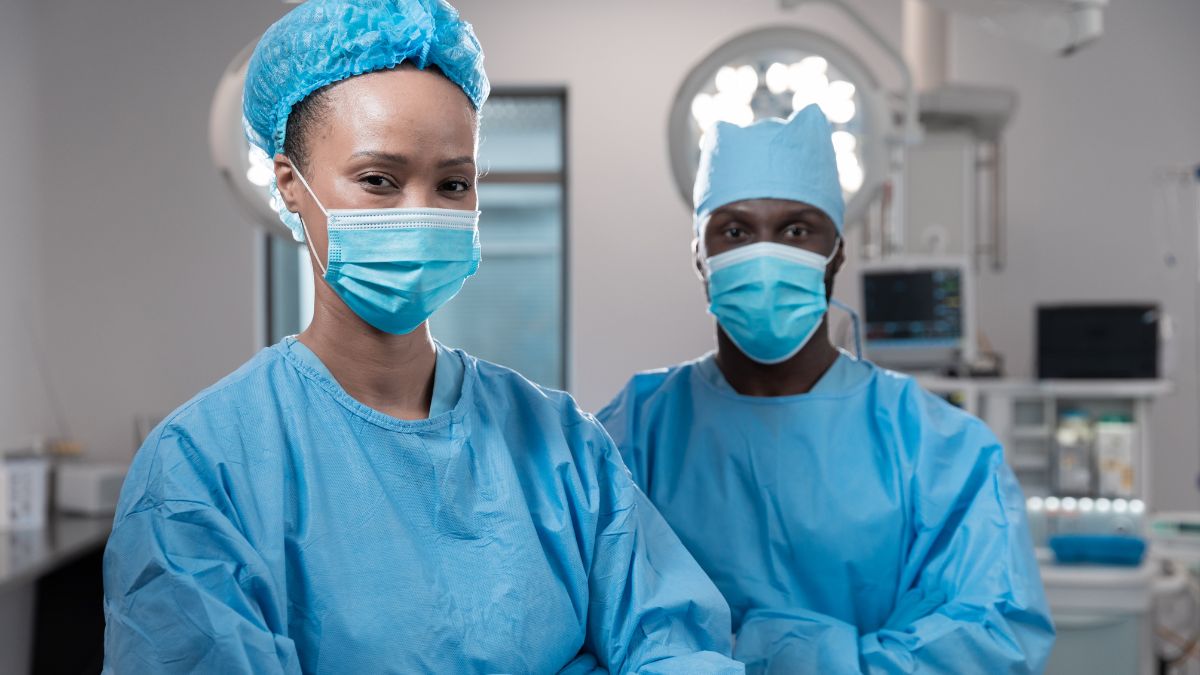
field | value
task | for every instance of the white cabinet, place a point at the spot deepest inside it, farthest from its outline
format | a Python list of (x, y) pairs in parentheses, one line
[(1024, 415)]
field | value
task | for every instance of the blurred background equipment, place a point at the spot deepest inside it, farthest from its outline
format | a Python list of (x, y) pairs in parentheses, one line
[(1098, 341), (51, 616), (918, 313), (88, 488), (1059, 26), (23, 490)]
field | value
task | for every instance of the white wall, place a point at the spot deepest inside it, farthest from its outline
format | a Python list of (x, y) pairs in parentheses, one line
[(24, 409), (148, 271), (1088, 136)]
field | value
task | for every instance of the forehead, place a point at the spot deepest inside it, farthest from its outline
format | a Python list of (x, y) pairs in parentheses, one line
[(770, 209), (400, 109)]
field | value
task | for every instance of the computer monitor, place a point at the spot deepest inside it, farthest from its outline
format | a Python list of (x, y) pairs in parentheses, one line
[(917, 313)]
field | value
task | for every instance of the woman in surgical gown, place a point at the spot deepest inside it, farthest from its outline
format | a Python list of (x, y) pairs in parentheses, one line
[(360, 499)]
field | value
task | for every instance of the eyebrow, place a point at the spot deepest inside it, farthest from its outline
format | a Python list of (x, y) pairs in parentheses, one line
[(791, 212), (465, 160), (385, 156), (394, 158), (808, 211)]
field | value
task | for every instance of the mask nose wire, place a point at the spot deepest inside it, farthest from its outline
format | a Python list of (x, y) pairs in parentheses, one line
[(304, 225), (704, 257)]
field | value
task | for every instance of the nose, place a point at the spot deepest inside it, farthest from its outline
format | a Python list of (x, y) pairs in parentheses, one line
[(427, 196), (422, 198)]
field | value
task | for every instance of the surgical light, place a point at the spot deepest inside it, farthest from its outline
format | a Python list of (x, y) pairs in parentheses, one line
[(731, 108), (772, 73), (841, 90), (261, 169), (807, 81), (838, 111), (850, 173), (778, 78), (809, 68), (802, 99), (247, 170), (704, 110), (844, 142)]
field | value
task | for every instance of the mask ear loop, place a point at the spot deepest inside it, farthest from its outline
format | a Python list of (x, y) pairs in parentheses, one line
[(855, 319), (304, 225), (836, 242), (699, 248)]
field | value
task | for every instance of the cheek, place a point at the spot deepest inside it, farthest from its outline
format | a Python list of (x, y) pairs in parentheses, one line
[(713, 244), (315, 229)]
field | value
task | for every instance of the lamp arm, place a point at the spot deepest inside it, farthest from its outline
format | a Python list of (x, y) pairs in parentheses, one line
[(912, 130)]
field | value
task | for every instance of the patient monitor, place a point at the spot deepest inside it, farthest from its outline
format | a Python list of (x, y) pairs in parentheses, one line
[(917, 313)]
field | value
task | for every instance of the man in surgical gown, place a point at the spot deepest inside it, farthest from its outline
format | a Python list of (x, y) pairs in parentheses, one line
[(855, 523), (466, 521)]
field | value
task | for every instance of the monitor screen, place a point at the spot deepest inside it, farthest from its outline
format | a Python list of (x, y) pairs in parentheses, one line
[(909, 308)]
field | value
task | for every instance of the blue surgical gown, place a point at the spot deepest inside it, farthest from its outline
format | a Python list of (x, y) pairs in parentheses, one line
[(864, 527), (276, 525)]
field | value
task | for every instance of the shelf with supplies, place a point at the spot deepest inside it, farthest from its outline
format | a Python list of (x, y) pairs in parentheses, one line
[(1091, 389), (1078, 438), (1018, 433)]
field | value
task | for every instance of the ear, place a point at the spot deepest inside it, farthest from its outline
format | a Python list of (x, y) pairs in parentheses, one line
[(835, 266), (289, 185), (839, 258)]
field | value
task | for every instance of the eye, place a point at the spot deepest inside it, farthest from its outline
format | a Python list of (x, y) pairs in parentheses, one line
[(377, 181), (734, 232), (454, 185), (797, 231)]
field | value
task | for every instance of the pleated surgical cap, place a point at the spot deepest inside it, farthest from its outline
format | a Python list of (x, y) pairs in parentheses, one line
[(326, 41), (771, 159)]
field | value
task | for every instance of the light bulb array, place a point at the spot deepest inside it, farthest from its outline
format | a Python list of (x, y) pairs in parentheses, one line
[(1085, 505), (806, 81)]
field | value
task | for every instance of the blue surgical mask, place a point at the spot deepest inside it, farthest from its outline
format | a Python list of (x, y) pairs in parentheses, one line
[(396, 267), (769, 298)]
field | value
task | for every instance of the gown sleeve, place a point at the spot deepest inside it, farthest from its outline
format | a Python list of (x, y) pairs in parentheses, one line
[(184, 590), (973, 598), (620, 418), (652, 609)]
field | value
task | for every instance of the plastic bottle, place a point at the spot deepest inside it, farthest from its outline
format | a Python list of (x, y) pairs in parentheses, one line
[(1116, 441), (1074, 462)]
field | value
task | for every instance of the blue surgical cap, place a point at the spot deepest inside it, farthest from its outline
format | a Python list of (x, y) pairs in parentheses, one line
[(770, 159), (326, 41)]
